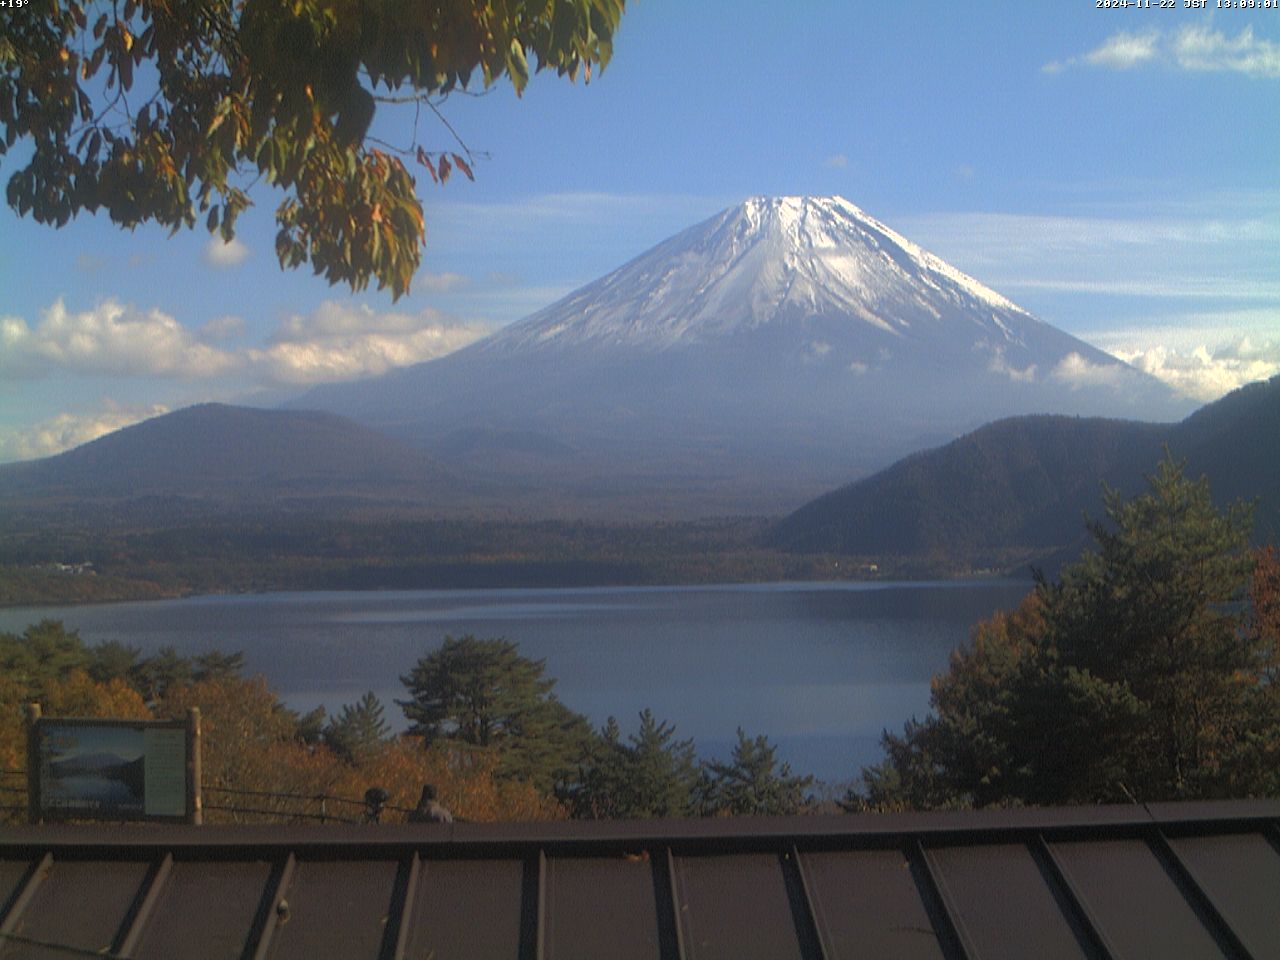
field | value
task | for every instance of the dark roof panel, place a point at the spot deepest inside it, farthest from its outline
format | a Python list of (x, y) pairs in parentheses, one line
[(1002, 904), (328, 904), (867, 904), (466, 908), (1240, 875), (1169, 880), (12, 874), (1133, 901), (219, 903), (735, 908), (601, 907), (82, 904)]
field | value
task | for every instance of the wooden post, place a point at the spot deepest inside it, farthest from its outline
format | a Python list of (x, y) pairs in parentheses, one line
[(195, 800), (33, 763)]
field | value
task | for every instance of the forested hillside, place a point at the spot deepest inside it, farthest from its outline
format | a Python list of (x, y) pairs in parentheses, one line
[(1018, 488)]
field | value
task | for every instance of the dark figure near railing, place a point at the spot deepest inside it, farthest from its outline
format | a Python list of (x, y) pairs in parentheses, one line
[(375, 798), (429, 809)]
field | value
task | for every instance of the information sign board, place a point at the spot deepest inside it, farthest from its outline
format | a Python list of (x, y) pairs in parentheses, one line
[(114, 769)]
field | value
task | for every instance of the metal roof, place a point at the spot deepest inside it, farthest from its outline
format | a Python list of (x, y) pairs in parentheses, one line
[(1156, 881)]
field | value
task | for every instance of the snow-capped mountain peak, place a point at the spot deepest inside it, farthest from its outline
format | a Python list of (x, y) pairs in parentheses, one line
[(770, 260), (771, 352)]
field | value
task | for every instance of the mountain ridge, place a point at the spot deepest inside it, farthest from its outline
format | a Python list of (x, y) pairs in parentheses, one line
[(1025, 483), (215, 449), (756, 359)]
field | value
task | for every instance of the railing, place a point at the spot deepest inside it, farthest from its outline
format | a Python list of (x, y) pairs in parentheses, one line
[(13, 793), (274, 805)]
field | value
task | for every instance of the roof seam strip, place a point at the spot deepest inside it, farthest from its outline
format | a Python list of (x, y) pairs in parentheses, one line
[(134, 924), (274, 898), (806, 917), (677, 920), (1197, 895), (1067, 887), (39, 872), (953, 938), (408, 894)]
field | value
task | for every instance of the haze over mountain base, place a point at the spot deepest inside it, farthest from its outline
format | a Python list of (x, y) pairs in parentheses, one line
[(779, 349)]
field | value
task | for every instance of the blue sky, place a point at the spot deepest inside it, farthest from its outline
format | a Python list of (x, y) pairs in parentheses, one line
[(1113, 171)]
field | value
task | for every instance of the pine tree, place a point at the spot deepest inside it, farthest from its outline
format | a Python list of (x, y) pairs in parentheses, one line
[(753, 783), (483, 694), (1157, 614), (358, 729), (651, 774), (1135, 676)]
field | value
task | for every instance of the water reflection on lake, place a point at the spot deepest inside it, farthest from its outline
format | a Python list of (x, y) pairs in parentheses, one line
[(820, 668)]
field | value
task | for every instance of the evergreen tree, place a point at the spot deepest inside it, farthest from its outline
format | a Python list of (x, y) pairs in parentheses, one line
[(1150, 628), (753, 783), (1134, 676), (158, 674), (358, 729), (651, 774), (483, 694), (113, 661), (216, 665)]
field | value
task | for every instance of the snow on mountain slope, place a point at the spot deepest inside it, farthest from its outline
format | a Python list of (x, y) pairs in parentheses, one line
[(762, 262), (776, 350)]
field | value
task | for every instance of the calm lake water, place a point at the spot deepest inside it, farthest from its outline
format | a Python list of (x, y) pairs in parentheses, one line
[(820, 668)]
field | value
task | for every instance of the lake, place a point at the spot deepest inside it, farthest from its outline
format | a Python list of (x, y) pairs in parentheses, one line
[(821, 668)]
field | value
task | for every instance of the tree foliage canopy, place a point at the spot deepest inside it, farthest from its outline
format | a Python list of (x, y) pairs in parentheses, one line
[(649, 774), (261, 762), (753, 782), (358, 730), (1139, 674), (484, 694), (165, 110)]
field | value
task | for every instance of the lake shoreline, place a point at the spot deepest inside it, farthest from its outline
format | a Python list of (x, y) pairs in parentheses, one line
[(820, 668)]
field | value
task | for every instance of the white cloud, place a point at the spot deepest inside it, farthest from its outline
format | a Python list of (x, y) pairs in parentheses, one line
[(1125, 51), (816, 349), (1201, 355), (1221, 247), (335, 342), (110, 340), (837, 161), (221, 255), (67, 430), (348, 341), (1203, 374), (440, 282), (1076, 372), (1195, 48), (1199, 48), (998, 364), (226, 327)]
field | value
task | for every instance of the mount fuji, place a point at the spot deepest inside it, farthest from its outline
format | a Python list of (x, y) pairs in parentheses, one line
[(772, 352)]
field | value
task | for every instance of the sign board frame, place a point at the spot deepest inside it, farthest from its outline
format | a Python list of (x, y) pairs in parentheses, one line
[(113, 769)]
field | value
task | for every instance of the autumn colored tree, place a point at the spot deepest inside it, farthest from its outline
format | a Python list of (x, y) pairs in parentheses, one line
[(1264, 605), (470, 786), (244, 731), (262, 762), (165, 112), (52, 666), (1135, 675)]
